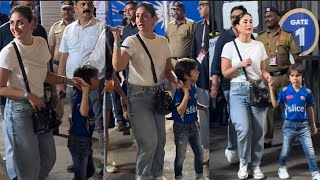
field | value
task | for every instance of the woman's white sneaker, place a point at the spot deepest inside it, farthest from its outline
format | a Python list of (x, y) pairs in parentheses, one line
[(243, 171), (257, 173), (283, 173), (316, 177)]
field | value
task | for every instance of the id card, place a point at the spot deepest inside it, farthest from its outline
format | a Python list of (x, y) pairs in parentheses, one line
[(202, 54), (273, 60)]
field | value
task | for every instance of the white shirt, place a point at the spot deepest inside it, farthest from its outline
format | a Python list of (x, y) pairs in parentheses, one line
[(139, 65), (34, 57), (254, 50), (79, 43), (98, 56)]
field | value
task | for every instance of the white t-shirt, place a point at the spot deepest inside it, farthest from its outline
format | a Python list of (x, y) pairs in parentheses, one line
[(79, 42), (139, 65), (98, 56), (34, 57), (254, 50)]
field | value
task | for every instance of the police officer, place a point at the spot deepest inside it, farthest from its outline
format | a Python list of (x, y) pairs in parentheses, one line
[(279, 43)]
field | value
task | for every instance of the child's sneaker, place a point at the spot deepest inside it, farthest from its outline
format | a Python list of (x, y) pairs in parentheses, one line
[(243, 171), (283, 173), (316, 177), (257, 173), (232, 156)]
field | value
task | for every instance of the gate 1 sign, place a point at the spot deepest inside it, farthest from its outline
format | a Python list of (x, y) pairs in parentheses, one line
[(304, 26)]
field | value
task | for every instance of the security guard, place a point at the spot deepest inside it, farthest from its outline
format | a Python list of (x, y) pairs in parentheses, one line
[(279, 43), (56, 31)]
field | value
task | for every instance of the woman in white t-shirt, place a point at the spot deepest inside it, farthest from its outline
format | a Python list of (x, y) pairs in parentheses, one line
[(147, 124), (34, 154), (248, 120)]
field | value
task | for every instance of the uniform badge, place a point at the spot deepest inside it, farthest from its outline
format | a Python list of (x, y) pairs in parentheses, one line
[(289, 97), (302, 98)]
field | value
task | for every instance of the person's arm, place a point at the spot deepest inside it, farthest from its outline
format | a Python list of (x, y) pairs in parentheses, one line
[(216, 68), (117, 85), (272, 95), (84, 106), (181, 108), (227, 70), (120, 58), (168, 72), (51, 41), (311, 120)]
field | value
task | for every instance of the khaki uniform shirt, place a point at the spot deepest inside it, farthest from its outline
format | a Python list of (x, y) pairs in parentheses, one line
[(180, 37), (54, 37), (286, 45)]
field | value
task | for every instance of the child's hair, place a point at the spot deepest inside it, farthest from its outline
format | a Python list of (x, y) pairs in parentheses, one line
[(296, 67), (184, 67), (86, 72)]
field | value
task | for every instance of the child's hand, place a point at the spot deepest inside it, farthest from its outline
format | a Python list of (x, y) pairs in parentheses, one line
[(125, 114), (85, 87), (270, 84), (314, 129)]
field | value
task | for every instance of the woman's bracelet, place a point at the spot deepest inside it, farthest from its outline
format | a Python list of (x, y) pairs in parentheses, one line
[(119, 45)]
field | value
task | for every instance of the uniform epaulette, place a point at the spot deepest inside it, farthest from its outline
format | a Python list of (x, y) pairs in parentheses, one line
[(261, 32), (56, 23), (308, 90), (171, 22), (286, 30)]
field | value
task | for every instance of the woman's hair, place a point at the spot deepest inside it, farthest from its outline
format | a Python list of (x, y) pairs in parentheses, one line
[(149, 7), (184, 67), (296, 67), (25, 11), (239, 17), (86, 72)]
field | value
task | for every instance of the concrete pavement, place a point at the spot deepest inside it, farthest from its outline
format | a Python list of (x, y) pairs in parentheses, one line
[(297, 166), (122, 152)]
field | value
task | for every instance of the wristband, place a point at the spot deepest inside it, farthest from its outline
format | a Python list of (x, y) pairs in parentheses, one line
[(118, 45), (26, 96)]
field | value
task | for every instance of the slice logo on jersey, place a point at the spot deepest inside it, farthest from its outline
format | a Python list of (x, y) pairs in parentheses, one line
[(289, 97), (191, 109), (295, 108)]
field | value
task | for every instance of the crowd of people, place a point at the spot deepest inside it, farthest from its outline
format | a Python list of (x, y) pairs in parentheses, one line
[(106, 71), (81, 58)]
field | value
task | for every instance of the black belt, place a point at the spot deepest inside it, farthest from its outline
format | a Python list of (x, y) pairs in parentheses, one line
[(279, 73)]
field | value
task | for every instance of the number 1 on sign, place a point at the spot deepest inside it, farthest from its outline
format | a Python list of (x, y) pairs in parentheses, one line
[(300, 33)]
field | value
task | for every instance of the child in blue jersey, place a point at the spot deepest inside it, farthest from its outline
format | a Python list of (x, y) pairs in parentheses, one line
[(185, 118), (82, 124), (298, 120)]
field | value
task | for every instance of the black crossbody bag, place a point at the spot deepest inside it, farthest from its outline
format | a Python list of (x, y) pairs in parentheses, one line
[(162, 100), (45, 119), (259, 96)]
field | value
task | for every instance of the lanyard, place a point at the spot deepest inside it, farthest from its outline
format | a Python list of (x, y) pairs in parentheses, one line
[(203, 32), (277, 43)]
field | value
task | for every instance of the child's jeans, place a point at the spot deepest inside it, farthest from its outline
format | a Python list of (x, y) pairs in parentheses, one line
[(81, 152), (184, 133), (300, 130)]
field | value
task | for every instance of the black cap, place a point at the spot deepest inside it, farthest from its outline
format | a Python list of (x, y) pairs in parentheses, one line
[(272, 9), (178, 4)]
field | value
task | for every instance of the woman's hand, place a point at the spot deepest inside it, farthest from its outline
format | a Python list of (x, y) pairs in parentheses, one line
[(116, 31), (36, 102), (245, 63)]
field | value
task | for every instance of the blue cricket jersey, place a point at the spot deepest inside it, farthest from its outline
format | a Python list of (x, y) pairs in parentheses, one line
[(296, 103), (190, 115), (81, 126)]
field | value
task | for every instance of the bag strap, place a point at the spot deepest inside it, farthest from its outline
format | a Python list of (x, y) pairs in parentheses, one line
[(22, 67), (244, 69), (152, 65)]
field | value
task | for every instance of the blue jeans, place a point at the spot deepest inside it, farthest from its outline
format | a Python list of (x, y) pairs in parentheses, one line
[(204, 99), (34, 155), (184, 133), (232, 134), (81, 152), (249, 123), (149, 130), (292, 130)]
